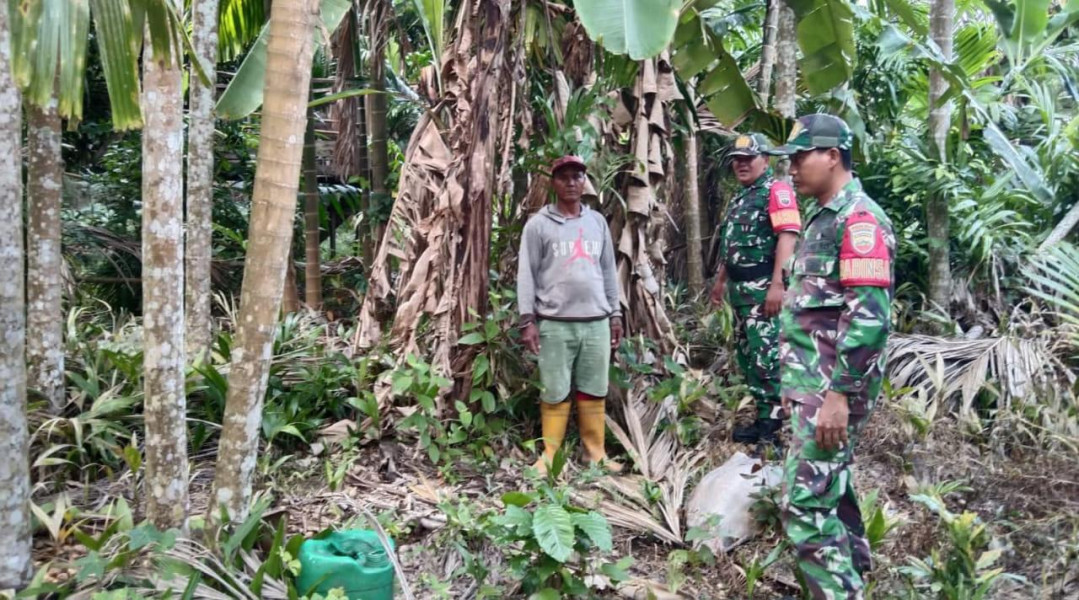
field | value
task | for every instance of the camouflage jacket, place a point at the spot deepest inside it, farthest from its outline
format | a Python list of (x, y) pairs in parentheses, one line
[(748, 236), (837, 311)]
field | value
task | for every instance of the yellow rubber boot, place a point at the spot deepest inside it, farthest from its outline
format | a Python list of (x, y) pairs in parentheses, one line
[(591, 421), (553, 421)]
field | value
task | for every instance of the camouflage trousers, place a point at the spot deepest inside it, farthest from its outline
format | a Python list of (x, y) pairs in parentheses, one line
[(820, 510), (758, 357)]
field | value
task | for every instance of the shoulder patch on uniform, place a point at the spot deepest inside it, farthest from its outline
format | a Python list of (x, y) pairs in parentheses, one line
[(863, 254), (783, 208)]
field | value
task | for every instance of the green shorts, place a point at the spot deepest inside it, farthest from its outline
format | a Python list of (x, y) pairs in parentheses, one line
[(574, 356)]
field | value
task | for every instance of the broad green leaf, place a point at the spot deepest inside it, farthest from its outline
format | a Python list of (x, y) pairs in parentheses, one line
[(517, 519), (699, 52), (618, 571), (471, 339), (243, 95), (516, 499), (143, 536), (826, 37), (546, 594), (596, 527), (401, 384), (640, 28), (553, 529), (90, 566), (73, 47), (433, 16), (1031, 17)]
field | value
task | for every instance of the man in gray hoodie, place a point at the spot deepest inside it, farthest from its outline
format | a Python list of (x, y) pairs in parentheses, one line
[(567, 292)]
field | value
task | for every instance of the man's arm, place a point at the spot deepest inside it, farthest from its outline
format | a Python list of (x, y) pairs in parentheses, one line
[(610, 285), (865, 321), (862, 334), (786, 224), (610, 273), (784, 251), (527, 260), (720, 286)]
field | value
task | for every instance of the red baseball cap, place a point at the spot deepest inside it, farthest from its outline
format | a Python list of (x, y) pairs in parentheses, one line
[(568, 161)]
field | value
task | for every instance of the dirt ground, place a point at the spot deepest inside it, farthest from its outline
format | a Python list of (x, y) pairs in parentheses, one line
[(1029, 499)]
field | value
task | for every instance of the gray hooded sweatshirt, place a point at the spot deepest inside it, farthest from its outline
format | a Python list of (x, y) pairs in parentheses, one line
[(566, 269)]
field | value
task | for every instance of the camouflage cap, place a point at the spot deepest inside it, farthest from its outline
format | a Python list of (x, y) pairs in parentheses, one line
[(752, 144), (816, 131)]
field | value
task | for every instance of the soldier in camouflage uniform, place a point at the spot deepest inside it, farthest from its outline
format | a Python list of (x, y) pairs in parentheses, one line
[(835, 324), (757, 239)]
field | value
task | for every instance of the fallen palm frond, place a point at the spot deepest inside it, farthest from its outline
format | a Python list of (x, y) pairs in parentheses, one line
[(650, 444), (1011, 367), (652, 502), (1017, 371)]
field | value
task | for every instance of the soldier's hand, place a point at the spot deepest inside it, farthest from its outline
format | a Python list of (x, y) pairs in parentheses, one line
[(773, 302), (616, 332), (719, 293), (530, 338), (785, 402), (832, 421)]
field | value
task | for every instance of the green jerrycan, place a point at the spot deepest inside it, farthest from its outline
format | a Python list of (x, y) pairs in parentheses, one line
[(353, 560)]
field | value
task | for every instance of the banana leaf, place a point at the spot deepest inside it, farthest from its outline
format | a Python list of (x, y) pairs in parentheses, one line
[(243, 95), (826, 38), (640, 28)]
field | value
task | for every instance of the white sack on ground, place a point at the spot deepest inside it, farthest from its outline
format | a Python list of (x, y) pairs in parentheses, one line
[(727, 492)]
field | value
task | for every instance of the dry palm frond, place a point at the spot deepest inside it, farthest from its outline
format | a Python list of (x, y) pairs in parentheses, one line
[(652, 502), (1015, 369), (650, 445), (629, 505)]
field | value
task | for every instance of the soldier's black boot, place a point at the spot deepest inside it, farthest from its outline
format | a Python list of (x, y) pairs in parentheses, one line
[(761, 429)]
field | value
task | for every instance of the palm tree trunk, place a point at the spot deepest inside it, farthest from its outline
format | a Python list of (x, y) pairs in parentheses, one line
[(200, 175), (15, 537), (44, 307), (786, 72), (277, 175), (1062, 229), (694, 254), (371, 240), (313, 268), (376, 105), (290, 302), (940, 120), (786, 62), (768, 50), (163, 291)]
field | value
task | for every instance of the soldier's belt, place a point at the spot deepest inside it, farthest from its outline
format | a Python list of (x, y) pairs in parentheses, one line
[(750, 272)]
